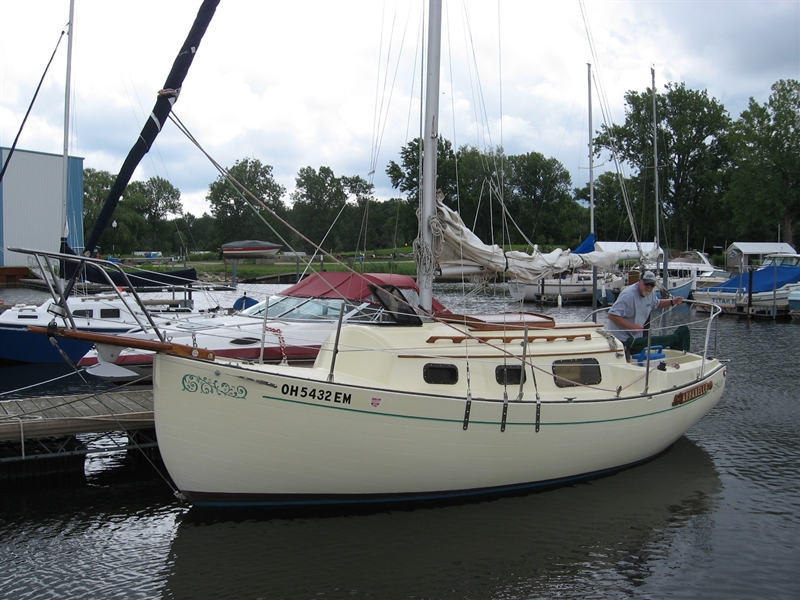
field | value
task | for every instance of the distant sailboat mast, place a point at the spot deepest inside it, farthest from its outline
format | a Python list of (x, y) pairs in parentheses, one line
[(67, 93), (591, 188), (664, 275)]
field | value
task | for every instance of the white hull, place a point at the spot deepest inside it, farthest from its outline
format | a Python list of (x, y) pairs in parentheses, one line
[(234, 434), (737, 302), (575, 289)]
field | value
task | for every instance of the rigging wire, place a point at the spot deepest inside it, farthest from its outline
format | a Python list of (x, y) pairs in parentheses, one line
[(30, 106), (608, 122)]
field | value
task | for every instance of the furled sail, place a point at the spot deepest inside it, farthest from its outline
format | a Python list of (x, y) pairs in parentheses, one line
[(167, 96), (462, 252)]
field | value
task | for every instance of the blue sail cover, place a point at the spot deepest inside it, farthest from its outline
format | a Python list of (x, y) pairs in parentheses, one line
[(587, 245), (764, 280)]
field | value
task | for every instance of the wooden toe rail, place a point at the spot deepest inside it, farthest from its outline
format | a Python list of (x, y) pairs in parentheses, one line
[(507, 339)]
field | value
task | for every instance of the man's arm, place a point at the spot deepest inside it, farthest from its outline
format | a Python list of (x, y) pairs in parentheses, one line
[(677, 301), (624, 323)]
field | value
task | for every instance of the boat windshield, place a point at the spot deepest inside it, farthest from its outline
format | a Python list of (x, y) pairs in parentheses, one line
[(791, 260), (292, 308)]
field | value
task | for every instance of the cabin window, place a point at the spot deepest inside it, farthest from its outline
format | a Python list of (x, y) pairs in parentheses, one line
[(109, 313), (83, 312), (576, 371), (245, 341), (439, 373), (509, 374)]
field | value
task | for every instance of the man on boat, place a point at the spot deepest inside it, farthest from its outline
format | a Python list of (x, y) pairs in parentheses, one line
[(626, 319)]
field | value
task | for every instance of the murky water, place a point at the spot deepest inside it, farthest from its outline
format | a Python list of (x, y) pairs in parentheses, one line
[(717, 516)]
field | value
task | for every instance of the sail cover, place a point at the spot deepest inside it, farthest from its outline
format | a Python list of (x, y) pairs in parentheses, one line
[(458, 245), (158, 117)]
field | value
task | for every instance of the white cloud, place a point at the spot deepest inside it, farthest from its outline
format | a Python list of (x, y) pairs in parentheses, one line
[(293, 84)]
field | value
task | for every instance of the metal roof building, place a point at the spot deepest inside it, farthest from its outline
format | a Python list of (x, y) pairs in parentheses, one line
[(743, 254), (31, 204)]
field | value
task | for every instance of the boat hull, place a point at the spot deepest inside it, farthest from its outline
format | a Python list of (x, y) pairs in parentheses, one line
[(232, 435), (17, 344)]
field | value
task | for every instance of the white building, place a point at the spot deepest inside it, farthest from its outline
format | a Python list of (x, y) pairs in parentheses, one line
[(741, 254), (31, 204)]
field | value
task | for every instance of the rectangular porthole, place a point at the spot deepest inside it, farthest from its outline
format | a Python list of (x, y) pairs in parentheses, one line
[(576, 371), (509, 374), (109, 313), (440, 373)]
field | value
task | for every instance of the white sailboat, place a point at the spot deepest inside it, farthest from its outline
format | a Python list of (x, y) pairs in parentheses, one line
[(423, 409)]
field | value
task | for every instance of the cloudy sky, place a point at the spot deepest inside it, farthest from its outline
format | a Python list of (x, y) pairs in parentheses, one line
[(336, 82)]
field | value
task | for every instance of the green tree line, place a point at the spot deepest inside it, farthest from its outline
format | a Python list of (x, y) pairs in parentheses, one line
[(719, 180)]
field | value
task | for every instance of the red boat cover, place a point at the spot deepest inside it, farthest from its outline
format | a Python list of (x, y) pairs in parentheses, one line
[(352, 286)]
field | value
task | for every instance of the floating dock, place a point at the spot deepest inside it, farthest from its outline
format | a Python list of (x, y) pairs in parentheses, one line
[(48, 429)]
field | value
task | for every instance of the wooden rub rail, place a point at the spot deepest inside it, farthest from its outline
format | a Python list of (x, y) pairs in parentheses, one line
[(507, 339), (54, 416)]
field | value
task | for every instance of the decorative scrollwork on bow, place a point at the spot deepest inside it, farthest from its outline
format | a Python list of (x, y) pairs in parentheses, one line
[(203, 385)]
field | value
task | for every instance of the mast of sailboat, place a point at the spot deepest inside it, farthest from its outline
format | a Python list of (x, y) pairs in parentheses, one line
[(67, 93), (167, 96), (591, 188), (664, 275), (430, 149)]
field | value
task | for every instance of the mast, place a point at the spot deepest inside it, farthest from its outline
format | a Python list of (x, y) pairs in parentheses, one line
[(67, 93), (430, 149), (664, 275), (167, 96), (591, 187)]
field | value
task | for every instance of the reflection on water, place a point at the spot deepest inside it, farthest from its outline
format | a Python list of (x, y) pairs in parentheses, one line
[(568, 539), (717, 516)]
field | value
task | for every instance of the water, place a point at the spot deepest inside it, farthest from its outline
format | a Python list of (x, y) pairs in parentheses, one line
[(717, 516)]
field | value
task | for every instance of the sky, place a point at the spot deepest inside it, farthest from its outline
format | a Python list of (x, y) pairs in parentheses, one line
[(336, 83)]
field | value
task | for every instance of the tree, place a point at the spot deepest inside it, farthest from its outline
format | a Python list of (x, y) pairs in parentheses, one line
[(127, 223), (535, 190), (194, 234), (238, 216), (96, 185), (764, 192), (161, 199), (405, 176), (541, 200), (325, 208), (693, 159), (610, 215)]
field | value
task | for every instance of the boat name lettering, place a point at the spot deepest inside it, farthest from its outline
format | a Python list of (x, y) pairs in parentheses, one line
[(692, 394), (316, 394), (203, 385)]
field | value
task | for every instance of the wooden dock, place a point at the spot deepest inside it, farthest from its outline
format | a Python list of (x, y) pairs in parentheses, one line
[(58, 416)]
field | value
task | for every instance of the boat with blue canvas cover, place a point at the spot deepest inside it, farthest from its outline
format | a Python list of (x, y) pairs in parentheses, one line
[(769, 286)]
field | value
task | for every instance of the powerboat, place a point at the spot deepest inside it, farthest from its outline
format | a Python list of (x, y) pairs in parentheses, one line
[(289, 327)]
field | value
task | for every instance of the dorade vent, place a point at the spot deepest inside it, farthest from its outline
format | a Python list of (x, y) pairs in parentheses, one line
[(509, 374), (109, 313), (576, 371), (83, 313), (440, 373), (245, 341)]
